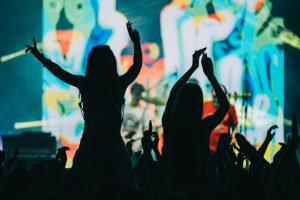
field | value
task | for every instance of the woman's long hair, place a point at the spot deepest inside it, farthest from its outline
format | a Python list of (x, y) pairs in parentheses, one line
[(101, 74), (187, 115), (186, 138), (101, 64), (189, 105)]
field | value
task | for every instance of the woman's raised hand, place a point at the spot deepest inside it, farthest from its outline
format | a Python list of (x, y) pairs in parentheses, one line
[(33, 49), (196, 57), (207, 65), (133, 33)]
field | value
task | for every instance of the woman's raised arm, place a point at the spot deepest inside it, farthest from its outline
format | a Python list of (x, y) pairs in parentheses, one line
[(54, 68)]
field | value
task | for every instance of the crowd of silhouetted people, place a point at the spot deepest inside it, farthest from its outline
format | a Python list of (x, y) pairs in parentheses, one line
[(184, 169)]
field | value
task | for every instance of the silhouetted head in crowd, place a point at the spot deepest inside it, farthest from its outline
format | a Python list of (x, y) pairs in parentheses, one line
[(189, 104), (223, 142), (101, 64), (39, 173), (18, 183), (136, 93)]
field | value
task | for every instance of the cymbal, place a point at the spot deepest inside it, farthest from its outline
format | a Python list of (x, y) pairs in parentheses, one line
[(239, 95)]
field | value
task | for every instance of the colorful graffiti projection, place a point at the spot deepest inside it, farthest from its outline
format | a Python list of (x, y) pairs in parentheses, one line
[(248, 57)]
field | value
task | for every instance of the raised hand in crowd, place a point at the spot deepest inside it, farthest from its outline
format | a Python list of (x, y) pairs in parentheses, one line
[(196, 57), (133, 33), (207, 66), (33, 49), (150, 145), (135, 69), (285, 165), (270, 134), (61, 157), (54, 68), (246, 148)]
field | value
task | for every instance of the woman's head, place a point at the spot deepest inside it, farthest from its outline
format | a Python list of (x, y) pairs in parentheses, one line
[(101, 64), (189, 104)]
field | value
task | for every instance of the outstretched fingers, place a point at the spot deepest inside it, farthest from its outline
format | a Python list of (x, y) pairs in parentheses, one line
[(201, 51), (29, 48), (150, 126), (129, 27), (271, 129)]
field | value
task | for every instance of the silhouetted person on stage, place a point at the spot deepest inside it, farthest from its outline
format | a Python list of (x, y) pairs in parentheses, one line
[(102, 101), (136, 117), (186, 134)]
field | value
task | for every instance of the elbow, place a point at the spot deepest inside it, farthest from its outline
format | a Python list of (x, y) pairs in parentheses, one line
[(138, 61)]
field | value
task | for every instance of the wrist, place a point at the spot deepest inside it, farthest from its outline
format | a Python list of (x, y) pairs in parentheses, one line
[(195, 66), (268, 139), (38, 55)]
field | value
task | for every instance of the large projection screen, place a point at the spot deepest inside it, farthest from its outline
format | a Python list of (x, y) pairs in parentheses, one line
[(247, 55)]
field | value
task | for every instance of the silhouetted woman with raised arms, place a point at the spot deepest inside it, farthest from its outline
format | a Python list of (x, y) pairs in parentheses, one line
[(186, 134), (102, 93)]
